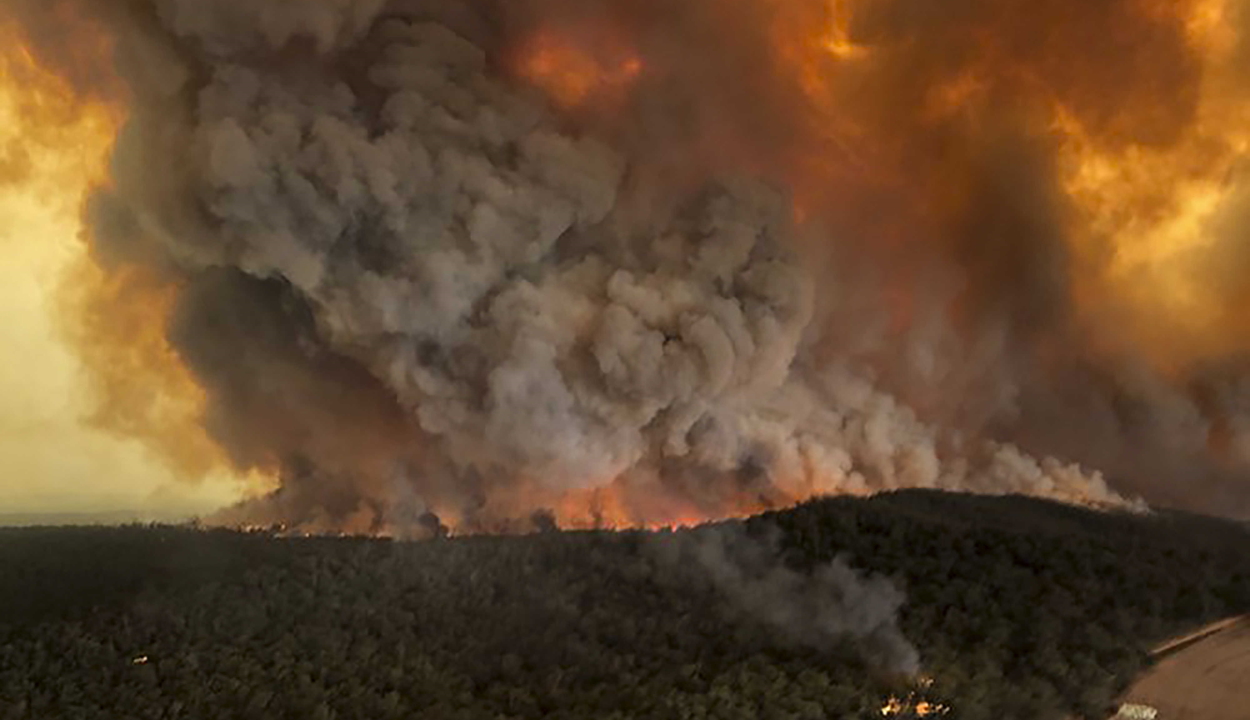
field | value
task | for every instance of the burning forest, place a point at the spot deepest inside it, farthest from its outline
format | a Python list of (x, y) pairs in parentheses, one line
[(495, 265)]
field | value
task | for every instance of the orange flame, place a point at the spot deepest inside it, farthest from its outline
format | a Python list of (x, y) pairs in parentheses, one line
[(618, 506)]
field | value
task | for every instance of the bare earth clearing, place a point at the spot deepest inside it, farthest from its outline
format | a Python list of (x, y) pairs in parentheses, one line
[(1209, 680)]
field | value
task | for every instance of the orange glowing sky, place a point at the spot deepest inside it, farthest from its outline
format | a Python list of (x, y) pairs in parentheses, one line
[(53, 456)]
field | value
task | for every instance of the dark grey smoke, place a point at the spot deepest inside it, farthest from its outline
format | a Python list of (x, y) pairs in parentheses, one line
[(820, 609), (412, 286)]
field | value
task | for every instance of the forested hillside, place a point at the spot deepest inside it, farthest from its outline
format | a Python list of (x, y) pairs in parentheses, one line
[(1021, 607), (1018, 609)]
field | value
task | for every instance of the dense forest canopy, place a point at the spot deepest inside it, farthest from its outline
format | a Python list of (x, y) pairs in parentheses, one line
[(1015, 608)]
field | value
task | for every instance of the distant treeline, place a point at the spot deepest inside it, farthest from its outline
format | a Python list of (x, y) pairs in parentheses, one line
[(1019, 609)]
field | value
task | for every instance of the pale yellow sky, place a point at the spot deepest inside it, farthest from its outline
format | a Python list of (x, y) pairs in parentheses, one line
[(51, 458)]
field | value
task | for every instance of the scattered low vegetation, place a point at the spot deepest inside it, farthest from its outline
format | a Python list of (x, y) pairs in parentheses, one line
[(1018, 608)]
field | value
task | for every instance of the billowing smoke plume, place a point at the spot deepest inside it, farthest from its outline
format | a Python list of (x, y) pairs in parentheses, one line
[(644, 261), (830, 605)]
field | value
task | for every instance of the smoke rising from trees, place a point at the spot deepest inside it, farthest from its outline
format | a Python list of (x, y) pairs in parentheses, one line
[(816, 610)]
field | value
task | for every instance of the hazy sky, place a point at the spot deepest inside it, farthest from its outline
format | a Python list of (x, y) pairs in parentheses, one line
[(49, 459)]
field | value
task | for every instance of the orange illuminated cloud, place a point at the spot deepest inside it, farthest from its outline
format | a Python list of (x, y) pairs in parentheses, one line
[(101, 414), (572, 73)]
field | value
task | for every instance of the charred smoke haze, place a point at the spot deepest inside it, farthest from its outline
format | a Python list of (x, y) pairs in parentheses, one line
[(637, 263)]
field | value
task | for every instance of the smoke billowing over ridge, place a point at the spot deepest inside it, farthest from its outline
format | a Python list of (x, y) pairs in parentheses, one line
[(644, 262)]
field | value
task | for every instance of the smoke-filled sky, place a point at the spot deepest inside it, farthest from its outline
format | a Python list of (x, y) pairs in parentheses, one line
[(54, 459), (631, 262)]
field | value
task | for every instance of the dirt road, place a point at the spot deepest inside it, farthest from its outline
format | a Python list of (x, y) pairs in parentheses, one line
[(1208, 680)]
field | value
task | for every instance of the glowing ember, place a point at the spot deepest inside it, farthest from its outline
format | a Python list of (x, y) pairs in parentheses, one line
[(913, 704), (892, 707)]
